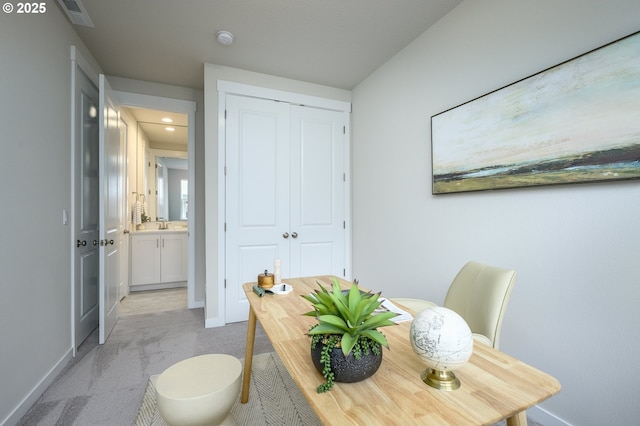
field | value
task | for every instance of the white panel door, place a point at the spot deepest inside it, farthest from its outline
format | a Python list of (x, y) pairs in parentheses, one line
[(317, 192), (111, 199), (257, 194), (87, 230)]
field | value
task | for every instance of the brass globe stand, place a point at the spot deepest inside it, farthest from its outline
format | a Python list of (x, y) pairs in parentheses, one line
[(440, 379)]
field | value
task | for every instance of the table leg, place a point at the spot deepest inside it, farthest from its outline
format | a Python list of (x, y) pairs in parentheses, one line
[(248, 356), (519, 419)]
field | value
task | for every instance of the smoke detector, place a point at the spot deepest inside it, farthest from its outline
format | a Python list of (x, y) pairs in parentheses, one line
[(224, 37)]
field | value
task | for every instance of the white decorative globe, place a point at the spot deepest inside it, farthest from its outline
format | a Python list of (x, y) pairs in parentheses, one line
[(441, 338)]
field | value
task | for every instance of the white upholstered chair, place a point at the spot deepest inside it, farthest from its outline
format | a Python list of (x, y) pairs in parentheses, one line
[(479, 293)]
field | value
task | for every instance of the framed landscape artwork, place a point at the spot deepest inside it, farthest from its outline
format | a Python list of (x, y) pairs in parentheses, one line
[(576, 122)]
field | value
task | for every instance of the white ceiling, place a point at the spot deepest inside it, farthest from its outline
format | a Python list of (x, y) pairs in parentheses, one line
[(152, 124), (335, 43)]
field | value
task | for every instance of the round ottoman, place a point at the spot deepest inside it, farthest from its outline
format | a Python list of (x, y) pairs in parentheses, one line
[(200, 390)]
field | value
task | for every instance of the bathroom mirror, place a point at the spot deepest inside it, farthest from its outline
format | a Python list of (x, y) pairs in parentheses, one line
[(163, 138), (172, 185)]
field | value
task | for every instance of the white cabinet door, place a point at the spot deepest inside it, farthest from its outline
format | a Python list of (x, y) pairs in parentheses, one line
[(285, 196), (145, 259), (173, 257)]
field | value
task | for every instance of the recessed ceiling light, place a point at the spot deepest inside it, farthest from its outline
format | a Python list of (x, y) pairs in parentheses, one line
[(170, 129), (167, 120), (224, 37)]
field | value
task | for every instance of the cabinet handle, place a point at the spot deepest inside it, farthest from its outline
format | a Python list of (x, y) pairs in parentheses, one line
[(294, 235), (81, 243), (285, 235)]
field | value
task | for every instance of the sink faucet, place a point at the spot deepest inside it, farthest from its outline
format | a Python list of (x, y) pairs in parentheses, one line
[(163, 224)]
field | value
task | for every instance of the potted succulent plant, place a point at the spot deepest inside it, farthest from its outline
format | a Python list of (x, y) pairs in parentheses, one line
[(346, 345)]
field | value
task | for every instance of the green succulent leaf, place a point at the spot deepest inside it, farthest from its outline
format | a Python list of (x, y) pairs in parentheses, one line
[(376, 336), (333, 320), (325, 329), (348, 342)]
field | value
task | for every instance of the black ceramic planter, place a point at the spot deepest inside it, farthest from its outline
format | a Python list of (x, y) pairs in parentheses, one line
[(348, 369)]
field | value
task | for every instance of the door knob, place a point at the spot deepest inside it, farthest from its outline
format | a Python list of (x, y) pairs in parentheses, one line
[(126, 231), (294, 235), (285, 235), (96, 242), (81, 243)]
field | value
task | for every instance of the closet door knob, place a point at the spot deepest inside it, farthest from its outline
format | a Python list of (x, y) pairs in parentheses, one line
[(285, 235), (81, 243), (294, 235)]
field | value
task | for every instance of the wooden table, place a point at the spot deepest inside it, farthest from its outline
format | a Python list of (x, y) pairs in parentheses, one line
[(495, 386)]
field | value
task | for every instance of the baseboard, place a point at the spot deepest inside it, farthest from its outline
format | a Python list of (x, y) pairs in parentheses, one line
[(197, 304), (544, 417), (164, 286), (213, 322), (37, 391)]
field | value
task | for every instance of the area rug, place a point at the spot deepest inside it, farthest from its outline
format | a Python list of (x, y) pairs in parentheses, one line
[(274, 399)]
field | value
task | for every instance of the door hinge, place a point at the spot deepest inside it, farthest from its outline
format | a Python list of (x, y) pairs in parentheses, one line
[(344, 224), (344, 177), (156, 165), (225, 283), (225, 227), (344, 130), (225, 114), (225, 170), (344, 272)]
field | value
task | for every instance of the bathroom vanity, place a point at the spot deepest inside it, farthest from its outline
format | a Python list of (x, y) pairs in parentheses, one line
[(158, 259)]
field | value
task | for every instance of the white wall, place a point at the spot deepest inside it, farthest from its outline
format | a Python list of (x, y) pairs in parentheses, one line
[(35, 187), (212, 74), (575, 307)]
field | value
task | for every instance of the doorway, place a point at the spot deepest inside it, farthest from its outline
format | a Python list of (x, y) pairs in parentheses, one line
[(164, 146), (158, 201)]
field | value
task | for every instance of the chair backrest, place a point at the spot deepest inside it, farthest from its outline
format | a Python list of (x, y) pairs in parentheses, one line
[(479, 294)]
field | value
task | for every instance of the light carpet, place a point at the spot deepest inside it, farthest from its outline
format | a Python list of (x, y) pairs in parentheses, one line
[(274, 399)]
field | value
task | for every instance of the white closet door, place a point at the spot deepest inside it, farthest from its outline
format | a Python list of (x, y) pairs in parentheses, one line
[(257, 191), (317, 192)]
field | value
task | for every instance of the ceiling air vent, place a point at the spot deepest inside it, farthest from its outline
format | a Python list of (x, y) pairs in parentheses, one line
[(76, 12)]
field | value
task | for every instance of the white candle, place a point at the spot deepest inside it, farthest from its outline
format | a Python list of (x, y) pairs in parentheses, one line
[(277, 279)]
